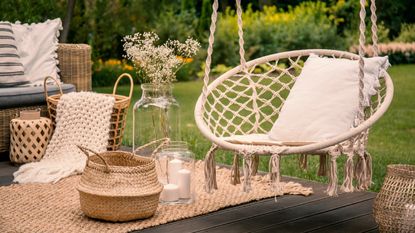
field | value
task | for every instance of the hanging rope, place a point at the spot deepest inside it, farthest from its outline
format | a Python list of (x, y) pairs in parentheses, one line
[(241, 35), (362, 40), (374, 19), (210, 48)]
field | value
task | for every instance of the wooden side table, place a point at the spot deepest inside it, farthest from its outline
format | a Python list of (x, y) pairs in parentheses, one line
[(29, 138)]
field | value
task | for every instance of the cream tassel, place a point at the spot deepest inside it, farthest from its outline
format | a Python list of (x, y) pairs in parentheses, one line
[(302, 160), (332, 187), (361, 172), (255, 164), (275, 175), (210, 170), (235, 174), (369, 171), (347, 185), (322, 170), (247, 168)]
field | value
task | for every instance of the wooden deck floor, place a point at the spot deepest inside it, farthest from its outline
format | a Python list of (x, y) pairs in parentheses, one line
[(351, 213)]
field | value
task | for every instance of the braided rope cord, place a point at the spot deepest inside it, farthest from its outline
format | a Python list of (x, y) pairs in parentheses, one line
[(244, 68), (241, 35), (362, 40), (210, 47), (374, 19)]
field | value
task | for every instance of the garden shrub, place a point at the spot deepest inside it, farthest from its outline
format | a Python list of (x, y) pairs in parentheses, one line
[(407, 33), (307, 25), (105, 73)]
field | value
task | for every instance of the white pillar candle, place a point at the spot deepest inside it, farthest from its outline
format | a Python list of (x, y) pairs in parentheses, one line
[(170, 193), (184, 183), (175, 166)]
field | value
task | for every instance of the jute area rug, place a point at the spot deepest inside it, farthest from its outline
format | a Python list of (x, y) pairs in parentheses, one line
[(55, 207)]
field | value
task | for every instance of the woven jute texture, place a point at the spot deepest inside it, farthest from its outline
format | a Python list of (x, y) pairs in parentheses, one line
[(55, 207), (28, 139), (394, 206)]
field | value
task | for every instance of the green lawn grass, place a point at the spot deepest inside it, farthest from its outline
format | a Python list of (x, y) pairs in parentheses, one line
[(391, 141)]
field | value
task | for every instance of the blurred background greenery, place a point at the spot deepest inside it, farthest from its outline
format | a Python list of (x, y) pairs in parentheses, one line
[(270, 27)]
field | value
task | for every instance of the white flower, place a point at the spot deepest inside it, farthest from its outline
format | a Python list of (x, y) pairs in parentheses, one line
[(159, 63)]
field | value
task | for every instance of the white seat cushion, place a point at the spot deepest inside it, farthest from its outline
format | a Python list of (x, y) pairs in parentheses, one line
[(260, 139), (323, 102)]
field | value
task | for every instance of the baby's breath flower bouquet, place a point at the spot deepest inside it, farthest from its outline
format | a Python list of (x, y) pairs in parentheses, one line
[(158, 63)]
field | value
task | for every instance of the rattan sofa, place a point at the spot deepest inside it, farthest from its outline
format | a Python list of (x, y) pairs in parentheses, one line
[(75, 68)]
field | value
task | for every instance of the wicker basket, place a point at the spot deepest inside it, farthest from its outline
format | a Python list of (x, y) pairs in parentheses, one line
[(119, 112), (28, 139), (118, 186), (394, 207)]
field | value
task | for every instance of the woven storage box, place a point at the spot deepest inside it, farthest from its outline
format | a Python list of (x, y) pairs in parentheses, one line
[(118, 116), (28, 139), (394, 207), (119, 186)]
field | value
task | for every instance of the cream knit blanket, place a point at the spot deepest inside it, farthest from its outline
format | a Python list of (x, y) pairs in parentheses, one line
[(81, 119)]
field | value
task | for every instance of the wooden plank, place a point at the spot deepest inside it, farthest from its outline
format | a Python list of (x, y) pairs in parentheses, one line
[(321, 220), (7, 171), (242, 211), (279, 216), (375, 230), (6, 180), (362, 223)]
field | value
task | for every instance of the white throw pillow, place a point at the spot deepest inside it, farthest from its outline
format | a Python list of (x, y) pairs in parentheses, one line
[(37, 45), (324, 100)]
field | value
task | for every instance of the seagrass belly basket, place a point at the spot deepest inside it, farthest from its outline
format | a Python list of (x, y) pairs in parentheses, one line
[(118, 186)]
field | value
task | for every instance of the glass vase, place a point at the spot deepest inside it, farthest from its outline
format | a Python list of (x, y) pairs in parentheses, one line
[(175, 165), (156, 115)]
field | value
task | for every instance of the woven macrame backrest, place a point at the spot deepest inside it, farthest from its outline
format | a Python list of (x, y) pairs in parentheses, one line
[(250, 99)]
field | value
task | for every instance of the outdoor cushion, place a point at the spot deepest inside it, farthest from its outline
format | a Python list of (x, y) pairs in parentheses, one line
[(11, 68), (27, 96), (324, 100), (37, 45)]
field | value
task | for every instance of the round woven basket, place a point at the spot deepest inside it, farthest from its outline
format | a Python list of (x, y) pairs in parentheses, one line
[(119, 186), (118, 116), (394, 207)]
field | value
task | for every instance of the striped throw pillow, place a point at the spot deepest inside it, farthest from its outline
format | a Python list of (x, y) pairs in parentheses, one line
[(11, 68)]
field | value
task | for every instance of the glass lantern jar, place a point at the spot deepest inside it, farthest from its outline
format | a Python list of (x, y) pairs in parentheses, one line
[(156, 115), (175, 165)]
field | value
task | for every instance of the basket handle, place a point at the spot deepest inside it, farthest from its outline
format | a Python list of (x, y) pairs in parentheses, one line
[(85, 151), (46, 88), (131, 84), (162, 142)]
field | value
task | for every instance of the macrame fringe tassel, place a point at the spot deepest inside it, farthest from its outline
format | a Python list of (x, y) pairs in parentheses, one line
[(210, 170), (332, 187), (347, 185), (275, 175), (235, 174), (361, 173), (322, 170), (369, 171), (255, 164), (247, 168), (302, 160)]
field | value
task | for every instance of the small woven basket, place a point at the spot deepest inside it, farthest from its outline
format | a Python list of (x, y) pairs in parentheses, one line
[(28, 139), (394, 207), (118, 116), (119, 186)]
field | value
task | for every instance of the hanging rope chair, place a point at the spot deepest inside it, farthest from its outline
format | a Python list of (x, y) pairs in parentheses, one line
[(244, 101)]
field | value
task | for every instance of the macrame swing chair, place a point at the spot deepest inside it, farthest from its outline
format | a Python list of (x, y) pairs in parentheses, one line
[(220, 113)]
